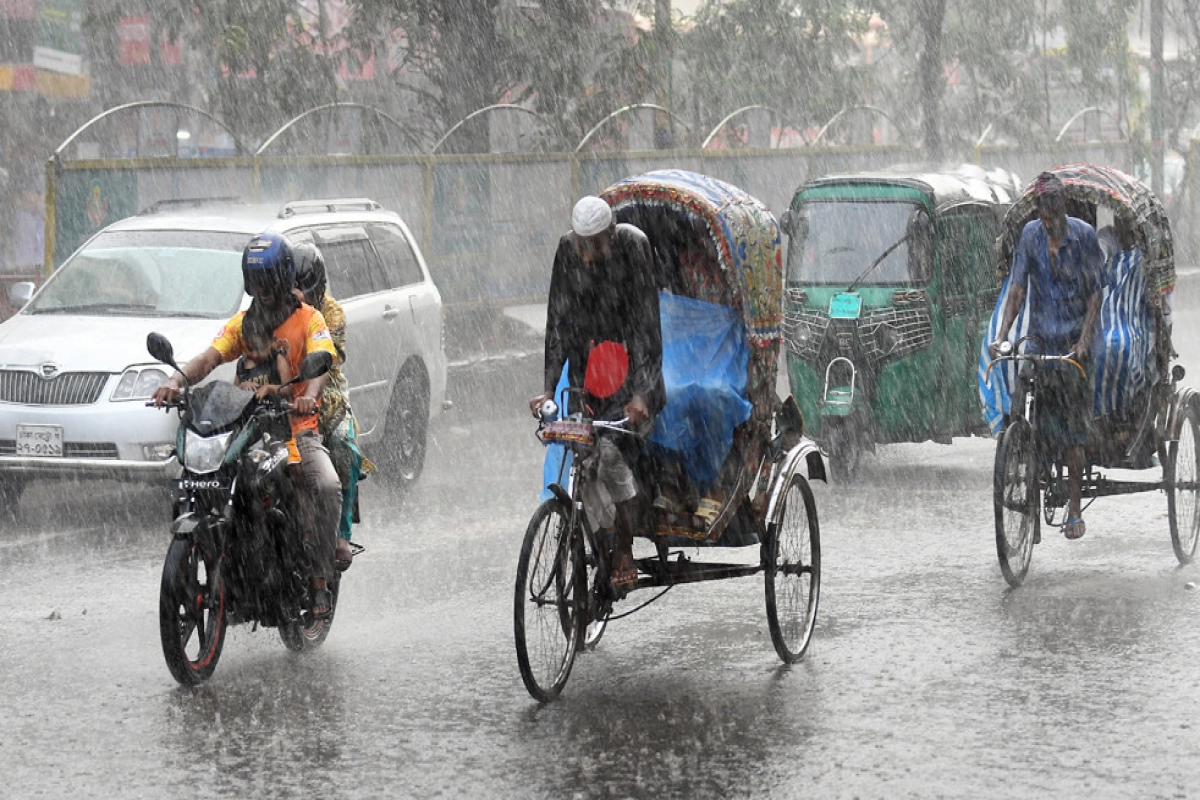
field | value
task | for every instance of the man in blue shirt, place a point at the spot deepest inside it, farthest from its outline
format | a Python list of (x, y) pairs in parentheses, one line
[(1059, 264)]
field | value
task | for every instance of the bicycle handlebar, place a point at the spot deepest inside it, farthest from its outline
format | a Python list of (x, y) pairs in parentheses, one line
[(1035, 358)]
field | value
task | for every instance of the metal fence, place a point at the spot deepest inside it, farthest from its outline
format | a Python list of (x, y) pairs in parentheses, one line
[(487, 224)]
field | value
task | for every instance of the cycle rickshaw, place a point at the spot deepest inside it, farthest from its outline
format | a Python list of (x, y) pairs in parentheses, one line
[(719, 260), (1142, 417)]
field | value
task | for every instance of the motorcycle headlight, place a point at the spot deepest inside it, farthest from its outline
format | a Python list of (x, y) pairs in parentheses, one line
[(203, 454)]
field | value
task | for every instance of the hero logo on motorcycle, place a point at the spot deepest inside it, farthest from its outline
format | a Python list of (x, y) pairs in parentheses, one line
[(192, 484)]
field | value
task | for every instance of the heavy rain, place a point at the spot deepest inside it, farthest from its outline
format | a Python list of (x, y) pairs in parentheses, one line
[(874, 325)]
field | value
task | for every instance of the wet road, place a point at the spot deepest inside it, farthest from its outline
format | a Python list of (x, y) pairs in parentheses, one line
[(926, 676)]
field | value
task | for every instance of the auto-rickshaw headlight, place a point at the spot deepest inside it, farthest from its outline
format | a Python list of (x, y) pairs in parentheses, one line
[(887, 339)]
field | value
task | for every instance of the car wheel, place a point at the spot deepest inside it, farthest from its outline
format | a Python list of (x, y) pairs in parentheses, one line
[(403, 448)]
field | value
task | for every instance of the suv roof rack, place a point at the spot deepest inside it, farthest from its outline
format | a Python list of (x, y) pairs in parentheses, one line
[(328, 206), (188, 202)]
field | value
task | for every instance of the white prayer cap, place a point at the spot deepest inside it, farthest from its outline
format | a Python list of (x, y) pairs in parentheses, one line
[(591, 216)]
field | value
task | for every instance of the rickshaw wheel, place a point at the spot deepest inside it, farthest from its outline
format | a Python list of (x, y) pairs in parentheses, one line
[(792, 569), (1015, 495), (1181, 477), (549, 602)]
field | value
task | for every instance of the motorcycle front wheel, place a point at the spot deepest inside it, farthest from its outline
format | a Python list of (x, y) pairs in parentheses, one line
[(191, 613)]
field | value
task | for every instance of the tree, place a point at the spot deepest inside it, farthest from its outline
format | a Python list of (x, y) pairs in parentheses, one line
[(931, 15), (573, 61), (1023, 64), (266, 58), (797, 57)]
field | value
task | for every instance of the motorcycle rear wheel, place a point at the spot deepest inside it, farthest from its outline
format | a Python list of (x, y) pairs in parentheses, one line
[(191, 613)]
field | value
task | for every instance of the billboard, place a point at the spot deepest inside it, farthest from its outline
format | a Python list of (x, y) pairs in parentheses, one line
[(59, 45)]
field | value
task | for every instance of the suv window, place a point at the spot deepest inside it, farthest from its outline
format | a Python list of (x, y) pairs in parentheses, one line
[(351, 264), (399, 262)]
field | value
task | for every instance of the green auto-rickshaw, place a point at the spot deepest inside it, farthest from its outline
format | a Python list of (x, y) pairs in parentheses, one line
[(888, 290)]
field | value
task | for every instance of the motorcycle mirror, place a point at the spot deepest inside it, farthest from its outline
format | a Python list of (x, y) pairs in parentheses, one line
[(790, 419), (315, 365), (160, 347)]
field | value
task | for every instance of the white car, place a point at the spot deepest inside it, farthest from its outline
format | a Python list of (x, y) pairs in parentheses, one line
[(75, 375)]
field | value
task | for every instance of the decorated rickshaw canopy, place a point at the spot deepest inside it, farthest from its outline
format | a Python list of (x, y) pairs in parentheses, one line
[(1130, 201), (746, 235)]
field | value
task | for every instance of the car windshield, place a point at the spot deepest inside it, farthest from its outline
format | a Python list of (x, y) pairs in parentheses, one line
[(149, 273), (834, 242)]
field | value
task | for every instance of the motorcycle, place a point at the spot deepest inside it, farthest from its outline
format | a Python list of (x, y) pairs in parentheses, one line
[(237, 552)]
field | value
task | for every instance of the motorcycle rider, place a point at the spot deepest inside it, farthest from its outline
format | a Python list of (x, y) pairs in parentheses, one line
[(269, 275), (338, 426)]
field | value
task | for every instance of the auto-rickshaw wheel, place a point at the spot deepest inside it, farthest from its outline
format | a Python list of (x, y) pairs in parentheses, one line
[(844, 451), (1015, 495), (792, 569), (548, 605), (1181, 477)]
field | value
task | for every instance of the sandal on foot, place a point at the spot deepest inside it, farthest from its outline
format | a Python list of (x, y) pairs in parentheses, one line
[(1074, 529), (624, 572), (343, 557), (709, 509), (322, 603)]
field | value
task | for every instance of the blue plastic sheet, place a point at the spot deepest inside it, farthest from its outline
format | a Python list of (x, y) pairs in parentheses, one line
[(1124, 336), (995, 388), (705, 360), (557, 465)]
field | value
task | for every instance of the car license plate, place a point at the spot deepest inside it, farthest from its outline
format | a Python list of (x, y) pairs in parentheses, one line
[(40, 440), (845, 306)]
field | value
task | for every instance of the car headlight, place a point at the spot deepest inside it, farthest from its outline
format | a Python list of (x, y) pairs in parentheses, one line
[(203, 454), (161, 451), (138, 383)]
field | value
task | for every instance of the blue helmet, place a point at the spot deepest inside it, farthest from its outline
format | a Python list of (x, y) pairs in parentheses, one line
[(268, 266)]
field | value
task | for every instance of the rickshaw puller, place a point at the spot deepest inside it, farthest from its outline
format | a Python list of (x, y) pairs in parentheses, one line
[(604, 300), (1059, 263)]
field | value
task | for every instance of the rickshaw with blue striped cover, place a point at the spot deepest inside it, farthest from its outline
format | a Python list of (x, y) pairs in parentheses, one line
[(1142, 417)]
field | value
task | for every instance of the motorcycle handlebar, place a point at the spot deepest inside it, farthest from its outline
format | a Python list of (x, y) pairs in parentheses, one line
[(169, 404)]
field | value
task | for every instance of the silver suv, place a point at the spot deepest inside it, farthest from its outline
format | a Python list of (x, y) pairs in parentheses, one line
[(75, 375)]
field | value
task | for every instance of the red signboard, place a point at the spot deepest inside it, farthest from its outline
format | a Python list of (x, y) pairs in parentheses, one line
[(168, 51), (18, 9), (134, 34)]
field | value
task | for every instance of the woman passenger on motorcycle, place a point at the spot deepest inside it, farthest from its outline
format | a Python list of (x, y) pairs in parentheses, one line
[(337, 424), (269, 275)]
